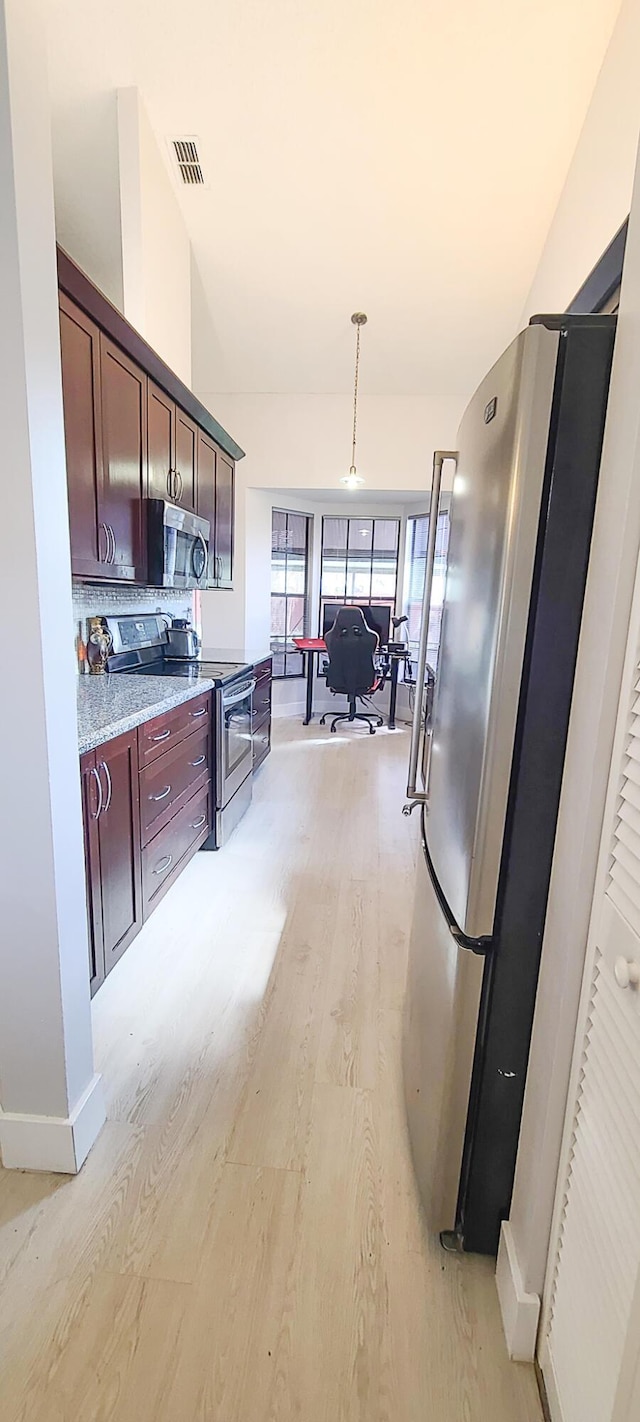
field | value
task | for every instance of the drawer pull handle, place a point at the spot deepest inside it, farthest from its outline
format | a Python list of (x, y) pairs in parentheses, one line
[(163, 794), (200, 761), (197, 823), (164, 864), (109, 785), (201, 712), (163, 735), (98, 781)]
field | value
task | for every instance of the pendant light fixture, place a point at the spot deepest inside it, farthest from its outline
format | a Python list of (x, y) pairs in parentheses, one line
[(352, 480)]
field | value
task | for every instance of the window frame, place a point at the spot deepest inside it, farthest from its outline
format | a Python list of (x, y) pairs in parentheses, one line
[(444, 512), (291, 675), (371, 600)]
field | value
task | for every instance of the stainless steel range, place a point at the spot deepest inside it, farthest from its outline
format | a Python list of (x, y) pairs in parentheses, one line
[(141, 647)]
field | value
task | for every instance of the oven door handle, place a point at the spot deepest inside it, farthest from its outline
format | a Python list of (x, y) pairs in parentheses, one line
[(240, 694)]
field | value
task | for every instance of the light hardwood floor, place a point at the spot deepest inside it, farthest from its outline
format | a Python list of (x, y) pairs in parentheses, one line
[(244, 1243)]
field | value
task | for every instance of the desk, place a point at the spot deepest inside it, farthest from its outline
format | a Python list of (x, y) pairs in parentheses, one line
[(310, 645), (394, 656)]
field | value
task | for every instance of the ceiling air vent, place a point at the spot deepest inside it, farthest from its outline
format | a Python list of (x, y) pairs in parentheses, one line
[(185, 152)]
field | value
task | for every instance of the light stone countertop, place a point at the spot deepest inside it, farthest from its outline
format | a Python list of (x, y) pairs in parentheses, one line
[(109, 705)]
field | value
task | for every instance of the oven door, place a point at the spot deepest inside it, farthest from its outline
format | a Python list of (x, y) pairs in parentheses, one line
[(235, 738)]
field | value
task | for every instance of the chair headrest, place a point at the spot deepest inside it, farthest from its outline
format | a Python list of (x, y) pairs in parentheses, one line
[(350, 619)]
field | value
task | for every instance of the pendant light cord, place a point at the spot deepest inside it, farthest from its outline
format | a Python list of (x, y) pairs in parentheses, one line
[(355, 399)]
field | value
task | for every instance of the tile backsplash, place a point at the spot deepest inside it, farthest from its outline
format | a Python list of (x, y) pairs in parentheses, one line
[(106, 600)]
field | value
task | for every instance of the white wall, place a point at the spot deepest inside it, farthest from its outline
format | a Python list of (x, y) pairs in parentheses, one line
[(616, 540), (597, 194), (303, 441), (156, 252), (85, 160), (51, 1103)]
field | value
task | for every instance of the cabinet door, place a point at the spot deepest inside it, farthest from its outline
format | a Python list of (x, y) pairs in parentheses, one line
[(119, 833), (225, 478), (206, 491), (186, 446), (161, 437), (80, 356), (124, 426), (91, 805)]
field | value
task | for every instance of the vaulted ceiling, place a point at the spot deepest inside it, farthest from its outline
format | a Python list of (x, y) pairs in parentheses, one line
[(403, 157)]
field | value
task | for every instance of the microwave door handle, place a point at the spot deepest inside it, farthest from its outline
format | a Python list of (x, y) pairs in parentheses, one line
[(239, 696), (205, 555), (415, 796)]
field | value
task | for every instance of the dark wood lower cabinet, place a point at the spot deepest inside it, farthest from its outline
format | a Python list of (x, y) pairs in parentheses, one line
[(112, 851), (124, 881), (261, 716)]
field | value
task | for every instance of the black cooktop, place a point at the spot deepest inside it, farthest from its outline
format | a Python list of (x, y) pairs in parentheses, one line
[(218, 672)]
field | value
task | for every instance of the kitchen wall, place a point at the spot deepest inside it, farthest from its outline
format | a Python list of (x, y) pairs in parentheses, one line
[(107, 600), (597, 193), (303, 441), (156, 251), (594, 202)]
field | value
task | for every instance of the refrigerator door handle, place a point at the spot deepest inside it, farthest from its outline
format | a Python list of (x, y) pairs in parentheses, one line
[(415, 796)]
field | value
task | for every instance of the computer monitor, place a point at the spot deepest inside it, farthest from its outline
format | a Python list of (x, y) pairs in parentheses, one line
[(377, 618)]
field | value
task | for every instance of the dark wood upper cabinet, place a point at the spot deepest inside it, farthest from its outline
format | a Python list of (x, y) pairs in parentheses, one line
[(215, 491), (127, 439), (186, 457), (225, 499), (161, 435), (91, 804), (118, 826), (80, 353), (206, 492), (124, 431)]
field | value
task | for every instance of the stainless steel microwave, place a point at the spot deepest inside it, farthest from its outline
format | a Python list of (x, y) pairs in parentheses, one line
[(177, 546)]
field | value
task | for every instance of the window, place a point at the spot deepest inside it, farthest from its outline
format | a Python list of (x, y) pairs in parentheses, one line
[(290, 537), (416, 555), (359, 561)]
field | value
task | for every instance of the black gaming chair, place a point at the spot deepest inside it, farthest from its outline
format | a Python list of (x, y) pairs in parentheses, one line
[(351, 671)]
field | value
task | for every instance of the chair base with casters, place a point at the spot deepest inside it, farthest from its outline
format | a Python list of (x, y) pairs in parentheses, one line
[(354, 715)]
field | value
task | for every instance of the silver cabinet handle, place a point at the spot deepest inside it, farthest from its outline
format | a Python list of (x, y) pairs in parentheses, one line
[(104, 527), (415, 796), (105, 767), (163, 794), (201, 712), (200, 761), (163, 735), (99, 784), (169, 481), (198, 823), (164, 864), (180, 487), (114, 544)]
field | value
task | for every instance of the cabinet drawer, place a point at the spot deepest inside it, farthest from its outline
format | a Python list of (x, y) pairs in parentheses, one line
[(171, 779), (263, 669), (262, 699), (157, 736), (166, 855), (261, 740)]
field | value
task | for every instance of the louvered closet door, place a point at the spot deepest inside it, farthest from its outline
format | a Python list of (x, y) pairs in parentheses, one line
[(590, 1301)]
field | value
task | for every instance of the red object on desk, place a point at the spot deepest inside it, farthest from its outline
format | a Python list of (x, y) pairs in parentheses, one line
[(310, 644)]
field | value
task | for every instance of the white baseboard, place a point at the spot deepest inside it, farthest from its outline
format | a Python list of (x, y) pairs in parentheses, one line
[(56, 1143), (520, 1310), (288, 708)]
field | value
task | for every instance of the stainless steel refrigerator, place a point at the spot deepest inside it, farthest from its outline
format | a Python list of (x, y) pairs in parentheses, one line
[(487, 753)]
